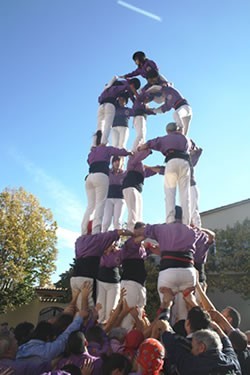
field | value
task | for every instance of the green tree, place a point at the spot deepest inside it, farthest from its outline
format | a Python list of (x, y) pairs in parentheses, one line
[(229, 269), (27, 247)]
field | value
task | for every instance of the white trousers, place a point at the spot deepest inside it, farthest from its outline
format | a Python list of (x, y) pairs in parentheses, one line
[(177, 279), (140, 131), (114, 209), (76, 282), (136, 296), (183, 117), (105, 118), (96, 185), (133, 199), (195, 215), (108, 295), (120, 136), (177, 171)]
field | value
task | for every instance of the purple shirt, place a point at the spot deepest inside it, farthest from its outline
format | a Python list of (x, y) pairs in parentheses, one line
[(118, 88), (174, 140), (143, 70), (104, 153), (28, 366), (111, 260), (202, 246), (94, 244), (172, 96), (116, 178), (79, 359), (173, 237), (132, 250), (135, 162)]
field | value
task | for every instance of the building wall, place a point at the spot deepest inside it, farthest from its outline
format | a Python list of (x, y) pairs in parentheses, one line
[(28, 313), (221, 217)]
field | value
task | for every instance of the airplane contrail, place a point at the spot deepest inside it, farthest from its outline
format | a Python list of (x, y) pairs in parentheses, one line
[(139, 10)]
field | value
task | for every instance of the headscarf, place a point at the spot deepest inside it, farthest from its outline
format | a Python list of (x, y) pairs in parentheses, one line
[(151, 356)]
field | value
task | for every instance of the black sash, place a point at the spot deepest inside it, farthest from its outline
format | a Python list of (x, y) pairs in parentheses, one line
[(99, 167)]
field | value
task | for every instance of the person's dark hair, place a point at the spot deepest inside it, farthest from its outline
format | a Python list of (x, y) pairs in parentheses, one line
[(95, 334), (61, 323), (198, 318), (76, 343), (152, 74), (98, 135), (72, 369), (179, 328), (238, 340), (139, 224), (235, 316), (44, 331), (136, 82), (139, 55), (23, 332), (116, 361), (124, 95)]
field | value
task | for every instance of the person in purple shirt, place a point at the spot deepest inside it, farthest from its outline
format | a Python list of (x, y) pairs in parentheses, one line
[(115, 204), (133, 184), (108, 283), (77, 353), (173, 99), (88, 251), (97, 182), (120, 128), (107, 101), (177, 244), (175, 147), (195, 153), (144, 66)]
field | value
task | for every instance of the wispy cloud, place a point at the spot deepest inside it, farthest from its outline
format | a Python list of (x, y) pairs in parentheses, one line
[(139, 10), (66, 207), (66, 238)]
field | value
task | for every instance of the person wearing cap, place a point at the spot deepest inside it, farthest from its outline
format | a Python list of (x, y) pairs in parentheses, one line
[(177, 245), (175, 147), (150, 357), (173, 99), (132, 186), (107, 101), (115, 203), (97, 182), (144, 66), (88, 252)]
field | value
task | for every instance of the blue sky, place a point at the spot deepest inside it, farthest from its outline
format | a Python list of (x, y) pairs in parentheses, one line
[(56, 56)]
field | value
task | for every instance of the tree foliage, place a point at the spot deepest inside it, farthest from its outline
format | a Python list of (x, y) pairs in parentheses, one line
[(229, 269), (27, 247)]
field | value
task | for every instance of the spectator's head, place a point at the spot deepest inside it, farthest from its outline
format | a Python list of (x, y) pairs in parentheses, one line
[(116, 364), (118, 333), (134, 83), (61, 323), (76, 343), (133, 340), (72, 369), (8, 344), (44, 331), (205, 340), (139, 57), (152, 77), (232, 315), (23, 332), (197, 319), (150, 357), (238, 340), (247, 333)]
